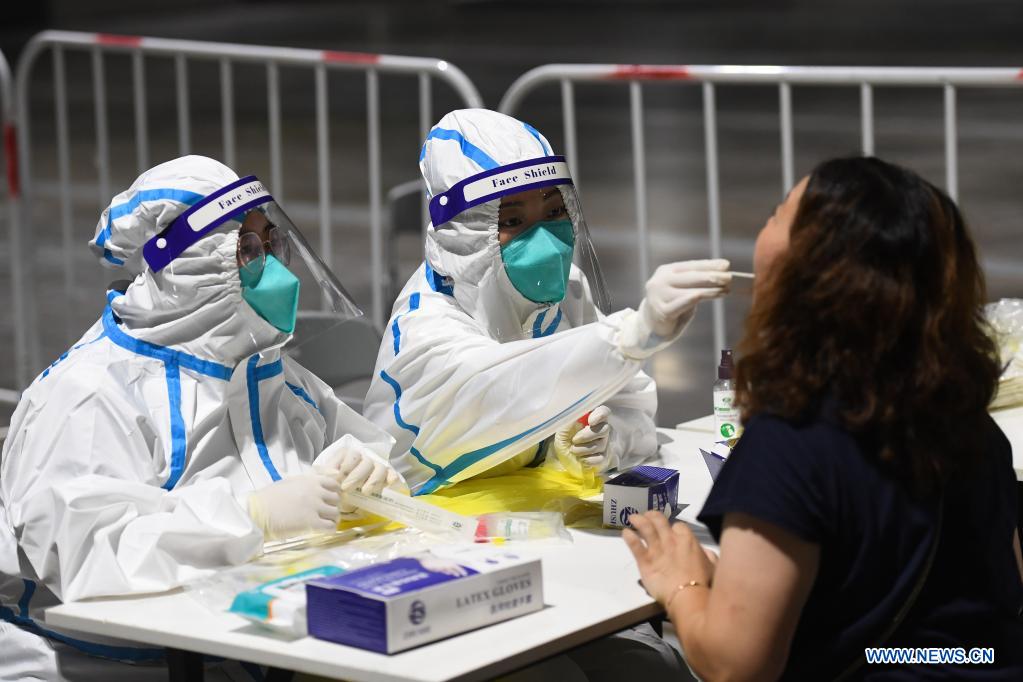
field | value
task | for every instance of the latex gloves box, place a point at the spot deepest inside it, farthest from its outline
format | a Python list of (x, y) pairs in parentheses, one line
[(413, 600), (638, 490)]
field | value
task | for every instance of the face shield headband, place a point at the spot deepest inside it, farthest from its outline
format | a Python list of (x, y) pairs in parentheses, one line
[(496, 183), (203, 217)]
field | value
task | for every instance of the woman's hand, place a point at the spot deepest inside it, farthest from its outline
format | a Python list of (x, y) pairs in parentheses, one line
[(668, 554)]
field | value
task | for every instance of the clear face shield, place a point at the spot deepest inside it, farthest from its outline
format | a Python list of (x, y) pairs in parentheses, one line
[(283, 280), (541, 228)]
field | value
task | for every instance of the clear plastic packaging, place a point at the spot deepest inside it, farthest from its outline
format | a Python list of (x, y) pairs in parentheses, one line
[(270, 590), (1006, 319), (502, 527), (496, 527), (314, 540), (409, 511)]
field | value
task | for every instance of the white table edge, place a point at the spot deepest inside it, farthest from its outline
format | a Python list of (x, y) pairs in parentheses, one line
[(58, 616)]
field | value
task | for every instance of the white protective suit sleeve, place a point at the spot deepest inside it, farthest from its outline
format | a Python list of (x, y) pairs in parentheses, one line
[(470, 398), (633, 409), (633, 431), (341, 422), (88, 509)]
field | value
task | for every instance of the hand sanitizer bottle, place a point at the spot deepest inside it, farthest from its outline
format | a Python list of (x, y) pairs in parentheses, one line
[(726, 416)]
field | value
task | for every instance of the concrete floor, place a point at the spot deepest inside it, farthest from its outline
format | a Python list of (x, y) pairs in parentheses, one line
[(496, 41)]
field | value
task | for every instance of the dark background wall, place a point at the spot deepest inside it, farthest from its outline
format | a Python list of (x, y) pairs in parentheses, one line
[(494, 42)]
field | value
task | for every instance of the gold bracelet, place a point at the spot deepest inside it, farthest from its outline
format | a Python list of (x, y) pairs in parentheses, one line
[(691, 583)]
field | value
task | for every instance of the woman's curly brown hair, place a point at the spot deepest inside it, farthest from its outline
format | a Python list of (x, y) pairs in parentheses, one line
[(877, 308)]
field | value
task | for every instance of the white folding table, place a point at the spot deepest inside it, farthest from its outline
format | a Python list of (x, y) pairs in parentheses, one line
[(591, 589)]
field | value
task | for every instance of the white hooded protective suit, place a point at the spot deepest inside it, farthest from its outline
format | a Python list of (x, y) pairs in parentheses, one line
[(130, 459), (458, 392)]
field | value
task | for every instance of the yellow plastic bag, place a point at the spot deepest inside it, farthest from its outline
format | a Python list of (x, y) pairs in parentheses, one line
[(538, 489), (548, 487)]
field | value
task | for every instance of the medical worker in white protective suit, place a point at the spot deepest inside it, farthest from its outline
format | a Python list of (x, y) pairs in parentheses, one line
[(174, 437), (498, 343)]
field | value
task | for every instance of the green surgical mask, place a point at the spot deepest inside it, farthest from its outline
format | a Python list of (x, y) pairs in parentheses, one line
[(273, 294), (539, 260)]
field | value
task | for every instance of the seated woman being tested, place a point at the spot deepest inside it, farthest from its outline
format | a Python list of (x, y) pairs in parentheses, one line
[(871, 501)]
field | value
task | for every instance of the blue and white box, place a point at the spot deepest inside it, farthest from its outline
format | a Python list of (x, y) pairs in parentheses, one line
[(638, 490), (418, 599)]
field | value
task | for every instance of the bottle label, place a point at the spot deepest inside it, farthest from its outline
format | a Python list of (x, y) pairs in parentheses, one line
[(726, 416)]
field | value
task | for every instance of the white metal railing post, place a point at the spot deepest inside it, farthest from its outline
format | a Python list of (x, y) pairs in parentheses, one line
[(787, 156), (181, 95), (568, 114), (867, 119), (138, 72), (710, 134), (323, 167), (64, 179), (22, 266), (273, 114), (425, 123), (639, 170), (376, 249), (951, 146), (227, 110), (15, 252), (99, 88)]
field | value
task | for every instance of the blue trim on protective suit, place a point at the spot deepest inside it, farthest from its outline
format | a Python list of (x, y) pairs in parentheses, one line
[(26, 597), (181, 358), (413, 304), (469, 150), (119, 211), (271, 369), (405, 425), (427, 463), (254, 376), (436, 281), (463, 462), (119, 653), (179, 440), (397, 410), (538, 331), (300, 392), (173, 361), (65, 354), (536, 133)]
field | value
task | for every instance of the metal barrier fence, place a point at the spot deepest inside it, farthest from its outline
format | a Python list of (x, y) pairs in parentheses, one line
[(224, 56), (864, 78), (13, 246)]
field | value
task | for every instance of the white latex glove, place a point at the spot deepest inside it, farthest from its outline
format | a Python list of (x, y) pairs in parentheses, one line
[(578, 446), (672, 294), (296, 505), (675, 289), (355, 467)]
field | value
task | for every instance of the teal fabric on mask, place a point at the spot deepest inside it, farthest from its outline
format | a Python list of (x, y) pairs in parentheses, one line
[(273, 294), (539, 260)]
